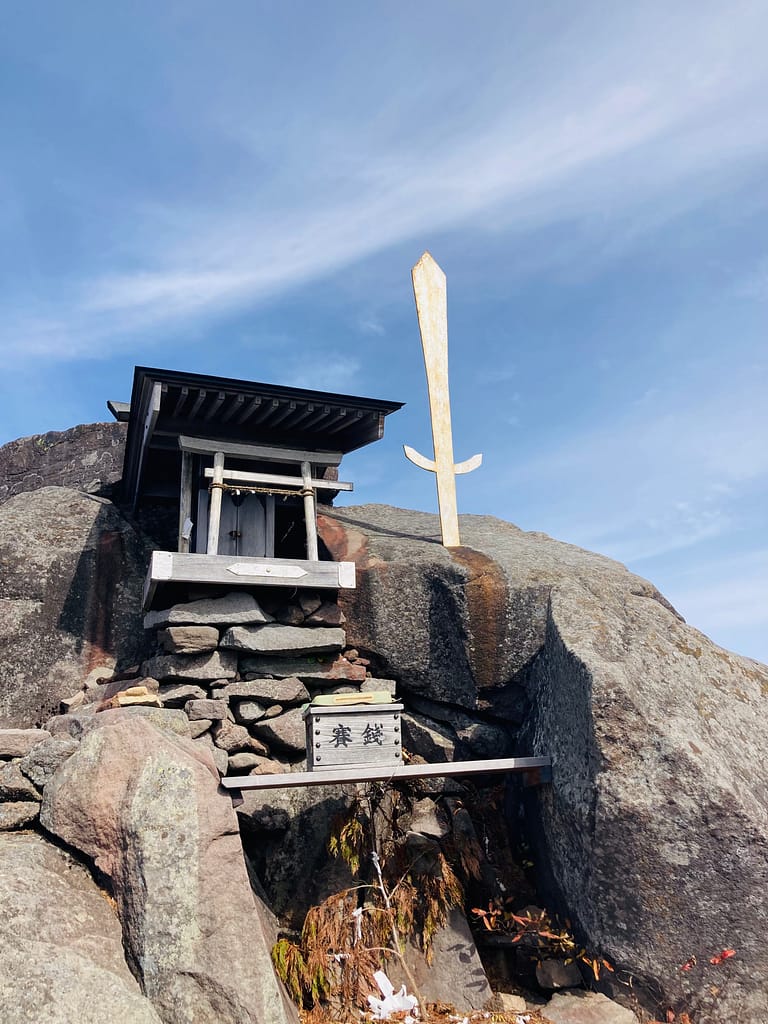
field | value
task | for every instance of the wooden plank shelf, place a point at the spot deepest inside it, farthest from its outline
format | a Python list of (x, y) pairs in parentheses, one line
[(537, 770), (237, 571)]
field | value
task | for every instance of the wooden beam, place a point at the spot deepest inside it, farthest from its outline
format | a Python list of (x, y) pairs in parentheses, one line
[(350, 421), (235, 405), (216, 404), (183, 396), (266, 410), (120, 410), (153, 411), (262, 452), (214, 505), (238, 571), (269, 526), (320, 413), (286, 411), (185, 498), (310, 511), (197, 403), (243, 476), (535, 766), (249, 410)]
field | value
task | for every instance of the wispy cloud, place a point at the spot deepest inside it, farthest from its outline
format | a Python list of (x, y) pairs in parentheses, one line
[(666, 477), (619, 132)]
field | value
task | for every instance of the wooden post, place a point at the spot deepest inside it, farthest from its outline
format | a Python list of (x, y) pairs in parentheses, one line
[(214, 506), (309, 512), (185, 499), (269, 526)]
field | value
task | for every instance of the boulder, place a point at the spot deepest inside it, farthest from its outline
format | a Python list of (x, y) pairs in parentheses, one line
[(164, 719), (285, 833), (234, 609), (70, 598), (88, 457), (455, 973), (653, 837), (283, 640), (144, 806), (61, 952), (586, 1008)]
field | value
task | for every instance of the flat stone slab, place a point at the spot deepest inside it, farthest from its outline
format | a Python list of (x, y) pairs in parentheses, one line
[(310, 670), (267, 691), (192, 667), (188, 639), (234, 609), (180, 694), (284, 640), (18, 814), (18, 742)]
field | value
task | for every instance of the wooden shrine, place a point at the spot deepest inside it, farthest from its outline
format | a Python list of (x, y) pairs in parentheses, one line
[(241, 464)]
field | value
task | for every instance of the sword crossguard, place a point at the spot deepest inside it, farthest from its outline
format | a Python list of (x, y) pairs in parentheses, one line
[(431, 466)]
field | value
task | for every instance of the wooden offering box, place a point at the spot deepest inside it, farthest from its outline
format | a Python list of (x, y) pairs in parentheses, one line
[(353, 735)]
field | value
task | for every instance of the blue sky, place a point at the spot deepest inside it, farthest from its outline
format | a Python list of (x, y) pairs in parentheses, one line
[(242, 189)]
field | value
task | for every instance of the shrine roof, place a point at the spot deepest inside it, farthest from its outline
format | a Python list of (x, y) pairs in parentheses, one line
[(168, 403)]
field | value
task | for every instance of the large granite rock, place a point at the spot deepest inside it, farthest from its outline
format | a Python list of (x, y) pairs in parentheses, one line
[(70, 598), (144, 806), (61, 954), (88, 457), (653, 837)]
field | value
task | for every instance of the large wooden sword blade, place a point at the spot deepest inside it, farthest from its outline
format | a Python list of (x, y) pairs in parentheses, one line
[(429, 290)]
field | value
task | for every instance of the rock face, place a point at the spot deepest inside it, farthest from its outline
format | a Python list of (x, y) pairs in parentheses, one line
[(653, 837), (61, 954), (144, 807), (70, 598), (88, 457)]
